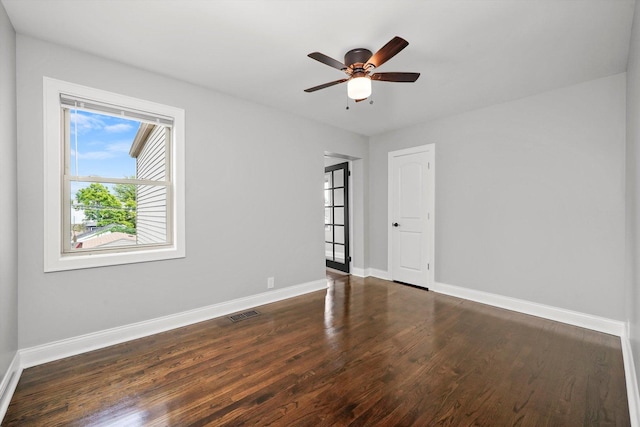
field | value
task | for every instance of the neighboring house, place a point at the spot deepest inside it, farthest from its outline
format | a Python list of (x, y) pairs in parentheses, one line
[(149, 149), (107, 240), (92, 231), (102, 237), (91, 225)]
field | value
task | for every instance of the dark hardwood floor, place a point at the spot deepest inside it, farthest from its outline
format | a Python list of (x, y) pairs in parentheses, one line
[(366, 352)]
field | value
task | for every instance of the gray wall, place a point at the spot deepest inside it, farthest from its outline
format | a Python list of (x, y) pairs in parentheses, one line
[(8, 192), (529, 197), (254, 203), (632, 295)]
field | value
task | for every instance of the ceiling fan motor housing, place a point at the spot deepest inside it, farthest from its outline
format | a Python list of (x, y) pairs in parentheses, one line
[(357, 57)]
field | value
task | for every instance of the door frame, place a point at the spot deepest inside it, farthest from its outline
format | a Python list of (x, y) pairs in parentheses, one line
[(430, 149)]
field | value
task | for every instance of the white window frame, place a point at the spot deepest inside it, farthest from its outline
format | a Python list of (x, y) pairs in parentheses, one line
[(54, 257)]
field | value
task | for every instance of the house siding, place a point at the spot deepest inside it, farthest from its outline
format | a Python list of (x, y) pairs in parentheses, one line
[(151, 220)]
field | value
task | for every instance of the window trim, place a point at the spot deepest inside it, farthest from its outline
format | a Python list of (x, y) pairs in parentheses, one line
[(54, 151)]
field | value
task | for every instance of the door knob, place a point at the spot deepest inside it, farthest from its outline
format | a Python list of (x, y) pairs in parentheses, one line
[(395, 224)]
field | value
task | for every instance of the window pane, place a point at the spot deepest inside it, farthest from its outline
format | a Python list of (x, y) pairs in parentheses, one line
[(339, 233), (328, 251), (328, 233), (327, 180), (339, 256), (338, 178), (339, 216), (328, 219), (327, 197), (100, 144), (116, 215), (338, 197), (113, 147)]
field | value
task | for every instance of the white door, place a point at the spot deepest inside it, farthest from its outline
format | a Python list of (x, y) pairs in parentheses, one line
[(411, 199)]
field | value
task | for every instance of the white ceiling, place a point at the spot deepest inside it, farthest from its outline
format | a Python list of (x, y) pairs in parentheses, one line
[(471, 53)]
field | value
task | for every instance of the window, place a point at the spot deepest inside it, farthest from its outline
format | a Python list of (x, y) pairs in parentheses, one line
[(114, 178)]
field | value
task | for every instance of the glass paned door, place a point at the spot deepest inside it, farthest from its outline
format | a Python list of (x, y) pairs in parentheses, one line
[(336, 216)]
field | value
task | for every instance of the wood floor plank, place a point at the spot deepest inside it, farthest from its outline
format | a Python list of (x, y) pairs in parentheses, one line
[(365, 352)]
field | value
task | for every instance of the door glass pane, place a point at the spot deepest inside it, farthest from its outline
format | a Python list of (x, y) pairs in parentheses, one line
[(339, 234), (339, 216), (328, 219), (328, 251), (328, 233), (339, 252), (338, 178), (327, 180), (338, 197), (327, 197)]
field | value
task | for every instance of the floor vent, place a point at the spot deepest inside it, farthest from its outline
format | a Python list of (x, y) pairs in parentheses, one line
[(242, 316)]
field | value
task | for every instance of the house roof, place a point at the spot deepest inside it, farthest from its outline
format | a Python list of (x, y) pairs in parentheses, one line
[(108, 239), (471, 54), (140, 139)]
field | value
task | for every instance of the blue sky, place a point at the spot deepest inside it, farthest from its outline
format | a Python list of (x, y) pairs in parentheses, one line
[(103, 145)]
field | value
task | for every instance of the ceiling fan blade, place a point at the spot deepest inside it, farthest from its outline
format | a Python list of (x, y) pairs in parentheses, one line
[(359, 100), (322, 86), (388, 51), (321, 57), (395, 77)]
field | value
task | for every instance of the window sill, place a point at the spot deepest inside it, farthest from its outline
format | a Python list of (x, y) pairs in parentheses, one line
[(92, 260)]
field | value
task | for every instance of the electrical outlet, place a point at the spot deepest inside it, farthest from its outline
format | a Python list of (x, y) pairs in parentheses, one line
[(270, 282)]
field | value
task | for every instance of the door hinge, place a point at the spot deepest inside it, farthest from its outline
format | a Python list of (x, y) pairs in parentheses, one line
[(349, 259), (428, 165), (349, 173), (428, 266)]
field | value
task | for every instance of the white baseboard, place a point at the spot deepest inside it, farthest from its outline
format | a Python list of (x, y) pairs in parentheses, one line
[(81, 344), (631, 379), (596, 323), (359, 272), (9, 383), (380, 274)]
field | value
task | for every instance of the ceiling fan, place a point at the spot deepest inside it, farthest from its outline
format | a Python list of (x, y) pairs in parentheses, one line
[(360, 62)]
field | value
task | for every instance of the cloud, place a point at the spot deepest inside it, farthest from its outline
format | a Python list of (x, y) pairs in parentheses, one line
[(85, 123), (120, 127), (111, 150), (95, 122)]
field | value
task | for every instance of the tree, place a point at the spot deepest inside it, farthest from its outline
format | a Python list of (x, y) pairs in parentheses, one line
[(102, 206), (126, 193)]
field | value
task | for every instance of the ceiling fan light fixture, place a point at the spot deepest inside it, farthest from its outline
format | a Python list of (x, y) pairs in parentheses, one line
[(359, 87)]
